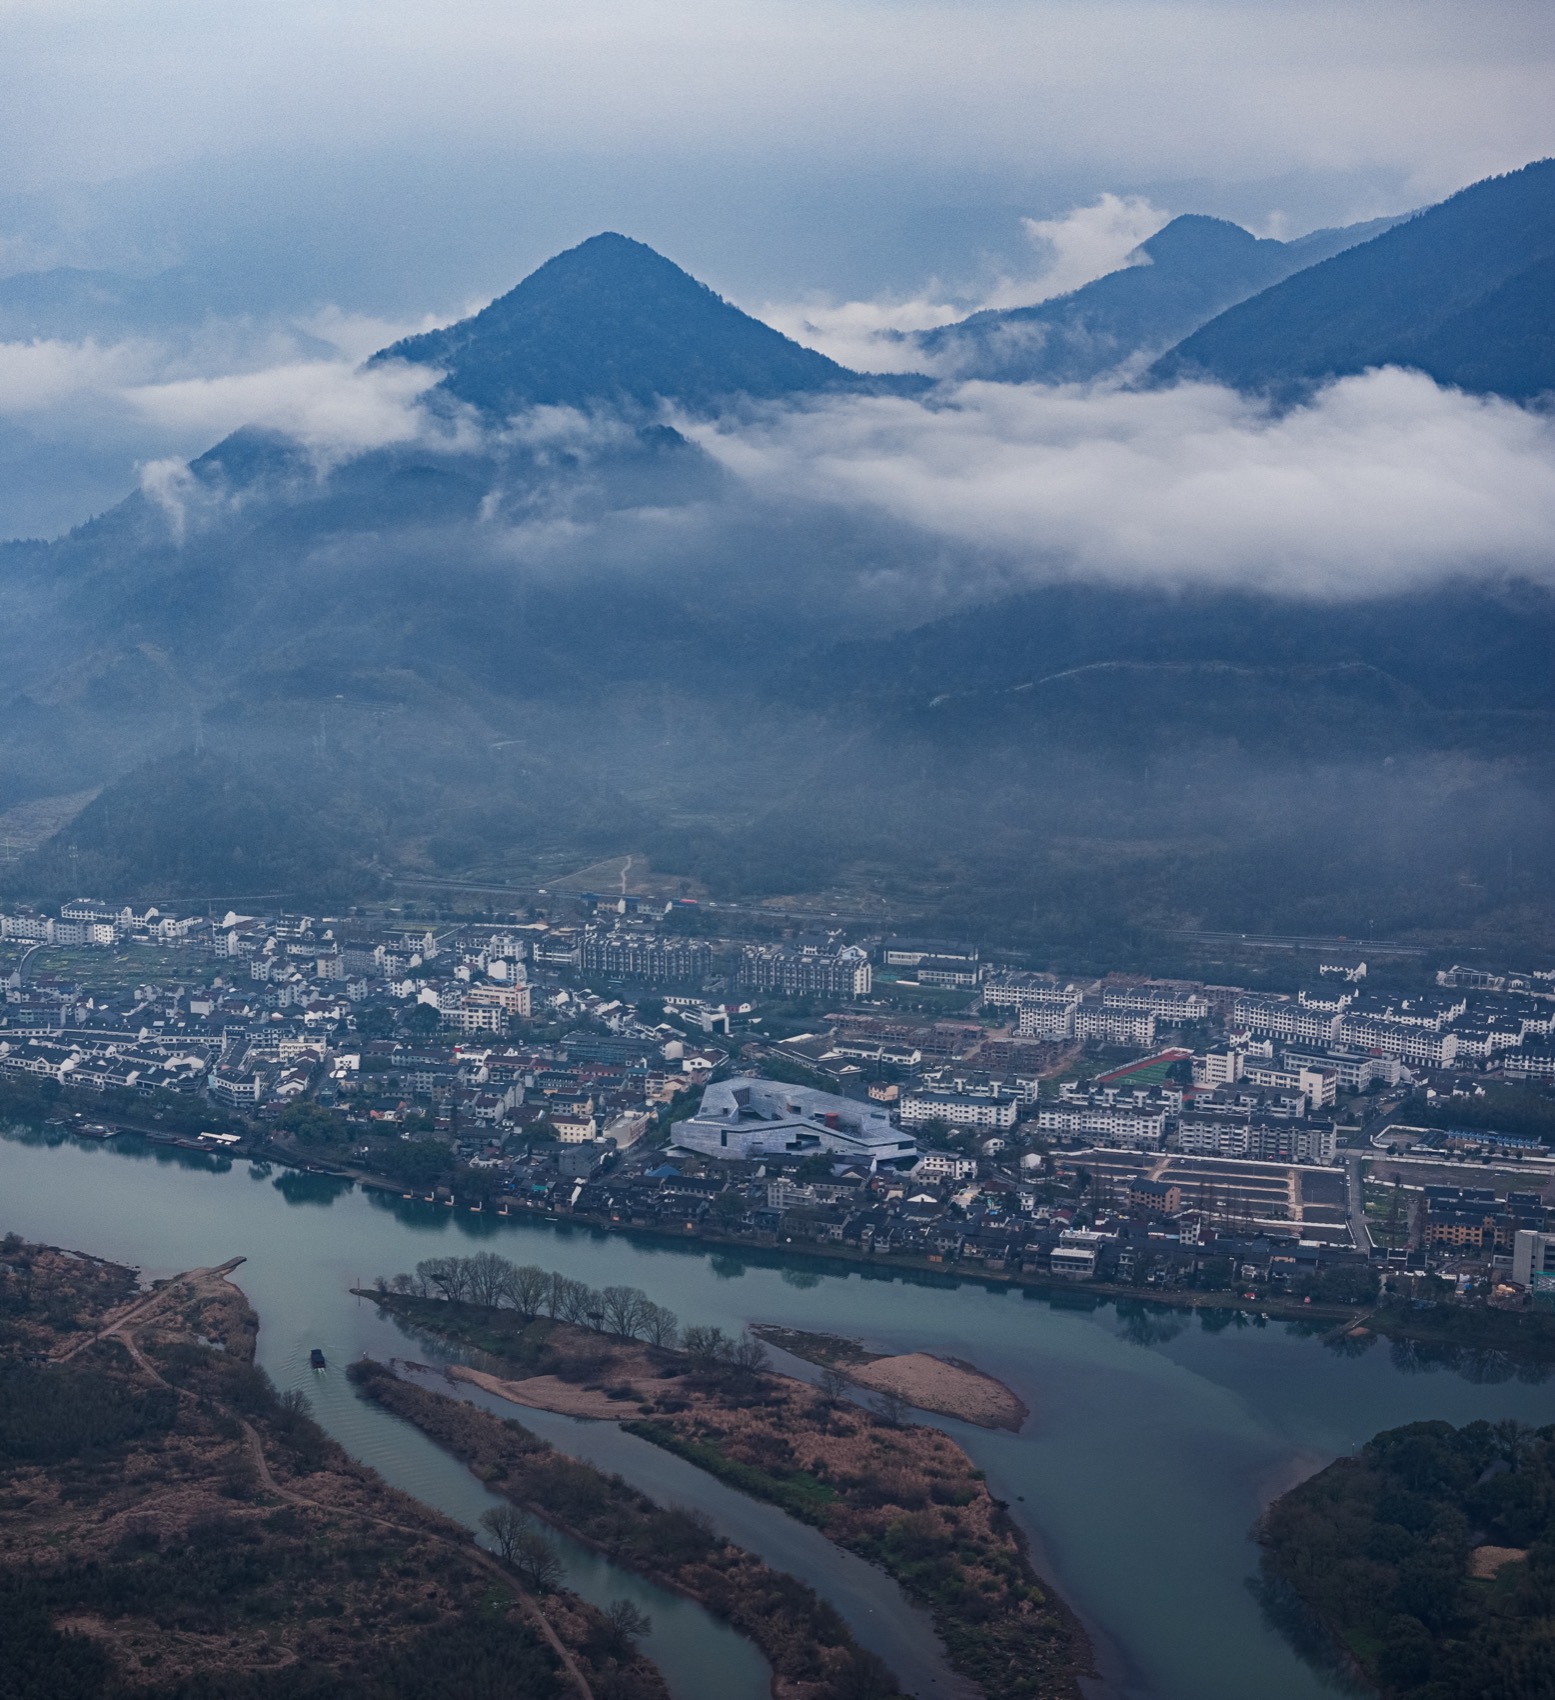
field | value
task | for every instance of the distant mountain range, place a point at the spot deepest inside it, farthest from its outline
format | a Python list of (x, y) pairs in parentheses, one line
[(493, 652), (1464, 291), (1178, 280)]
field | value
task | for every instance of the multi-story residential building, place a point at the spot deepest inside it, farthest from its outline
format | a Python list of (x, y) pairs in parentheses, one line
[(958, 1110), (237, 1088), (1166, 1003), (1354, 1071), (1269, 1142), (944, 1166), (1315, 1084), (950, 973), (1023, 992), (1418, 1046), (1086, 1018), (909, 953), (629, 954), (800, 969), (1138, 1125), (1285, 1018), (1219, 1068)]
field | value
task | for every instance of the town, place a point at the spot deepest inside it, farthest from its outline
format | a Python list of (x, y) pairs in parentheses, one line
[(643, 1066)]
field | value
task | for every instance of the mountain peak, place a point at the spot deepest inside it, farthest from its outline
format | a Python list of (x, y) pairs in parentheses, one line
[(1197, 237), (613, 321)]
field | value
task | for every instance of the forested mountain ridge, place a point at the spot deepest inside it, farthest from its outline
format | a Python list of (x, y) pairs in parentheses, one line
[(1177, 280), (613, 322), (1464, 291)]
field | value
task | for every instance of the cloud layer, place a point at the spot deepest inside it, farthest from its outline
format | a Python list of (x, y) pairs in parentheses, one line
[(79, 419), (1068, 251), (1384, 482)]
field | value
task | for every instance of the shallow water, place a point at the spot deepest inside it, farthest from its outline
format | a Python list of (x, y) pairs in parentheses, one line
[(1153, 1443)]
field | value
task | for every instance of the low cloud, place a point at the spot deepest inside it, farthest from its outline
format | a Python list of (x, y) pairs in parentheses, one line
[(80, 420), (1083, 245), (1383, 482), (333, 408), (1068, 252)]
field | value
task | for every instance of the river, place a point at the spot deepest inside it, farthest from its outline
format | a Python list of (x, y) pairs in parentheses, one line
[(1153, 1443)]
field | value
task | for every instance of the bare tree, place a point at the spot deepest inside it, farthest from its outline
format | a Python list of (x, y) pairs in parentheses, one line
[(486, 1275), (626, 1624), (661, 1327), (537, 1562), (705, 1346), (555, 1293), (580, 1303), (834, 1383), (525, 1289), (890, 1407), (750, 1356), (448, 1277), (624, 1309), (523, 1548), (505, 1523)]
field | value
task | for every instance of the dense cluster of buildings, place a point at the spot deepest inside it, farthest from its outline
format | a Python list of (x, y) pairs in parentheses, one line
[(621, 1064)]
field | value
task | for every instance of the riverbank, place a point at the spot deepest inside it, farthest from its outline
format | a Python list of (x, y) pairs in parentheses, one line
[(170, 1523), (1423, 1559), (902, 1496), (812, 1654), (944, 1386)]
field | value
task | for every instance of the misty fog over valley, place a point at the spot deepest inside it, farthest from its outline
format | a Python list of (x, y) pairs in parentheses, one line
[(1075, 651)]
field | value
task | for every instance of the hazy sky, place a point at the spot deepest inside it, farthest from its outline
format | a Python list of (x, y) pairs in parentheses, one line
[(776, 146)]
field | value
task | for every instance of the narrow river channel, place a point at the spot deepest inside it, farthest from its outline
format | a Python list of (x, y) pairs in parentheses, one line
[(1152, 1446)]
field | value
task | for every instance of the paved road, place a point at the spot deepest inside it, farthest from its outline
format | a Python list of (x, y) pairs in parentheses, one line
[(1355, 1175)]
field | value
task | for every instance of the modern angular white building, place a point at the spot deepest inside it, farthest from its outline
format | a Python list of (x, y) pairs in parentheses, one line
[(745, 1117)]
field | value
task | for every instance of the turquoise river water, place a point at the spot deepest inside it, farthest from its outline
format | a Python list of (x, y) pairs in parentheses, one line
[(1153, 1442)]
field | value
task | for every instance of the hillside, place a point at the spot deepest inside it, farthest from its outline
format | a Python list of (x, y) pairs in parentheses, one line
[(1462, 291), (1177, 280), (498, 655), (611, 321), (1426, 1559)]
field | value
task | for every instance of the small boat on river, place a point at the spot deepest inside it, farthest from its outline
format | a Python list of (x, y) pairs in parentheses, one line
[(316, 1358)]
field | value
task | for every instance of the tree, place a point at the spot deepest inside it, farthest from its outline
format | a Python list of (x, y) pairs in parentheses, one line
[(890, 1407), (537, 1562), (626, 1624), (376, 1022), (705, 1346), (624, 1311), (505, 1524), (661, 1327), (423, 1021), (834, 1383), (525, 1289), (749, 1356), (446, 1276), (487, 1275)]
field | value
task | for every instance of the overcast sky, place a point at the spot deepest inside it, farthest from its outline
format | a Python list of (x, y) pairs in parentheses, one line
[(776, 146)]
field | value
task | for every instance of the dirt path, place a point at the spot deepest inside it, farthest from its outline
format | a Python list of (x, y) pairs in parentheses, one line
[(139, 1311), (123, 1328)]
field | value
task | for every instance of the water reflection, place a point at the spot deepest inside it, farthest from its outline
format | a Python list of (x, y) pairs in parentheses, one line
[(726, 1268), (1283, 1609), (299, 1188), (1481, 1365), (803, 1279), (1147, 1324)]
